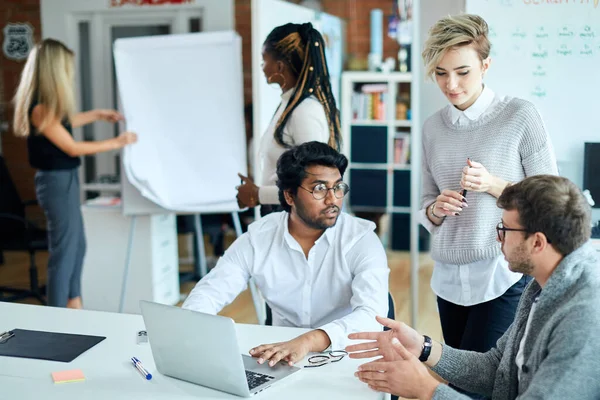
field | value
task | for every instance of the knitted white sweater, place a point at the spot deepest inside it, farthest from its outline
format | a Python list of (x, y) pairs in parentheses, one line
[(511, 142)]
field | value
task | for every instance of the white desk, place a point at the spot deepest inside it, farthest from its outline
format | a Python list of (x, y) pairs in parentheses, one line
[(110, 375)]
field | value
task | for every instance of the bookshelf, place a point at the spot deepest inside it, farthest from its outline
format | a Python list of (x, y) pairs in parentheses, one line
[(379, 140)]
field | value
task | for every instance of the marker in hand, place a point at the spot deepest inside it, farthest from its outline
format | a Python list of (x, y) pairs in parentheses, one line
[(464, 191), (138, 365)]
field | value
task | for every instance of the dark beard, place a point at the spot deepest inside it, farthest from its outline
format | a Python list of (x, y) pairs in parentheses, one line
[(315, 223), (521, 264)]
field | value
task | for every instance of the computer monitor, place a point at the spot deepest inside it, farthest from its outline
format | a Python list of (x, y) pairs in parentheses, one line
[(591, 171)]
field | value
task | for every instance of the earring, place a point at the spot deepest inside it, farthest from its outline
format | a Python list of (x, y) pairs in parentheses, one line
[(270, 79)]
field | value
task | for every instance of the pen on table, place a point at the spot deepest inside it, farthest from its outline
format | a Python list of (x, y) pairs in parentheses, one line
[(138, 365)]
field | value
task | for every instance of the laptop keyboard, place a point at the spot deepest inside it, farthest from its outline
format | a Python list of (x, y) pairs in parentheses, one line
[(255, 379)]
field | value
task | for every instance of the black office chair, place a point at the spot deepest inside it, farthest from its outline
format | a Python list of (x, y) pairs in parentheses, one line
[(17, 233)]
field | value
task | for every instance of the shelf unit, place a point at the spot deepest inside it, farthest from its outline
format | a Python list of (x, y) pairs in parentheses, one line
[(379, 183)]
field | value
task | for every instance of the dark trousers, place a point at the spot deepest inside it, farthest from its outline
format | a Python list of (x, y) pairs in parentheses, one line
[(479, 327), (58, 194)]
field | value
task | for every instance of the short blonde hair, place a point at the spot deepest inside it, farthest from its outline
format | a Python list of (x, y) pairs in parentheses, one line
[(455, 31), (47, 78)]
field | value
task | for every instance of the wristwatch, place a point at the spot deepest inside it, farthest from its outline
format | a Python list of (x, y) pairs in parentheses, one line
[(426, 348)]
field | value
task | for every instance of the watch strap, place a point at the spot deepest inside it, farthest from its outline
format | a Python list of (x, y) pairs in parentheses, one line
[(427, 344)]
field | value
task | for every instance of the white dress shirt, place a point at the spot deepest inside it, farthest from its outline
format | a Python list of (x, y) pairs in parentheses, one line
[(339, 288), (307, 123), (484, 280)]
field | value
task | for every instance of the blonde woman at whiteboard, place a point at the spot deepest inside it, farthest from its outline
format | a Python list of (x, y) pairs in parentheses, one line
[(44, 114), (472, 149), (293, 58)]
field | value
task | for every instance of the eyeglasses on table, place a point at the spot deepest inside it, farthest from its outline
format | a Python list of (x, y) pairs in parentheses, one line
[(325, 358)]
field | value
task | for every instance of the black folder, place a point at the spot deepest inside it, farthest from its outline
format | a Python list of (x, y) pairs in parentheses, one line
[(53, 346)]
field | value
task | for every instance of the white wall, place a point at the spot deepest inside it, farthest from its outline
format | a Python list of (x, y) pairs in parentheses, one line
[(432, 10), (431, 97)]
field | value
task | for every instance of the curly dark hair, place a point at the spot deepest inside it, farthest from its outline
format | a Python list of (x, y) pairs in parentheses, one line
[(552, 205), (291, 166)]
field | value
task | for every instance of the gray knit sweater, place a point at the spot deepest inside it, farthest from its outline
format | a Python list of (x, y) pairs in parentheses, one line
[(562, 348), (511, 142)]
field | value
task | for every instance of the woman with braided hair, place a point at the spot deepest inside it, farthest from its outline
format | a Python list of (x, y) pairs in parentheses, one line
[(293, 58)]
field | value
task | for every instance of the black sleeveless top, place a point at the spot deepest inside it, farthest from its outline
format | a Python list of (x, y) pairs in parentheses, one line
[(43, 154)]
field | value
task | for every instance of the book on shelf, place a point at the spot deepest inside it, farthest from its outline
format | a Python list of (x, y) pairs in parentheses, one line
[(402, 148), (370, 102)]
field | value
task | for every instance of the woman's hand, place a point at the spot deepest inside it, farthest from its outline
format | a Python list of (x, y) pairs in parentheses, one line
[(109, 115), (247, 193), (476, 178), (125, 139), (449, 202)]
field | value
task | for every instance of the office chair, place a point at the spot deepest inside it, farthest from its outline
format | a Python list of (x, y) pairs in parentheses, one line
[(17, 233)]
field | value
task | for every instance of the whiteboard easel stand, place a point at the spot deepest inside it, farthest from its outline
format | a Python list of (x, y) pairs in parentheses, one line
[(257, 299)]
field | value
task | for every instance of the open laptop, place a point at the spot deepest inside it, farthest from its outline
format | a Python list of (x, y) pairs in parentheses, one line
[(203, 349)]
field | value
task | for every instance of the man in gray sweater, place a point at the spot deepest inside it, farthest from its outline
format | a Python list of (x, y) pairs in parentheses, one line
[(552, 349)]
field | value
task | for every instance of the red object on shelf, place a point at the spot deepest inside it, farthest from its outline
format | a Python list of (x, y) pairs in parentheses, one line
[(120, 3)]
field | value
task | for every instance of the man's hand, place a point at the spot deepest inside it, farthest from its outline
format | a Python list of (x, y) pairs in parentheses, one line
[(405, 377), (291, 351), (382, 341)]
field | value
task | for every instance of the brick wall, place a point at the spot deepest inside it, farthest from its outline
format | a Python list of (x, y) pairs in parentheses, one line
[(14, 149), (354, 12), (243, 26)]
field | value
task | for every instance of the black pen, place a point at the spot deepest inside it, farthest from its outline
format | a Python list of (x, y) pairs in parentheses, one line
[(464, 192)]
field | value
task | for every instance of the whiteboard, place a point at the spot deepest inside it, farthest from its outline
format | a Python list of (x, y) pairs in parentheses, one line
[(548, 52), (183, 96), (266, 15)]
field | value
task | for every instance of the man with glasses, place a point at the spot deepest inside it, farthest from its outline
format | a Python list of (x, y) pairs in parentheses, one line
[(551, 351), (316, 266)]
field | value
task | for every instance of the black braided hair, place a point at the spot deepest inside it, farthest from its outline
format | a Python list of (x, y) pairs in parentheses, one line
[(302, 48)]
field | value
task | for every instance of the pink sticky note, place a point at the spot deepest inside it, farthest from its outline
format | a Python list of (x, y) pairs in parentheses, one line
[(74, 375)]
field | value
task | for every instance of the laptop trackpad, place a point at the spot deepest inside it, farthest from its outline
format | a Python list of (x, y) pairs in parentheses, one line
[(278, 371)]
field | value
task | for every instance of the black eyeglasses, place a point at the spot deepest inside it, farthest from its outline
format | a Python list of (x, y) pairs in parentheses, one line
[(325, 358), (501, 231), (320, 191)]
